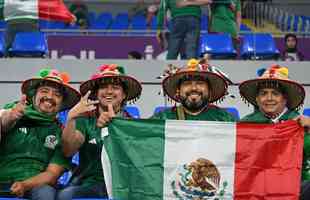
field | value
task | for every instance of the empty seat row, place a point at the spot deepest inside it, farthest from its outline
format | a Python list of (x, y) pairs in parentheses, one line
[(253, 46)]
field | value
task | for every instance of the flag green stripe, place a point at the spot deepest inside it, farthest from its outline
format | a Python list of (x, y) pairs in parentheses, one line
[(1, 9), (147, 170)]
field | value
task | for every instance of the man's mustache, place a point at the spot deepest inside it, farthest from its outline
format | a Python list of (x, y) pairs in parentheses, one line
[(51, 101)]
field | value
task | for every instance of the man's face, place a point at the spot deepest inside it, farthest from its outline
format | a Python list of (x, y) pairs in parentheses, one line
[(48, 99), (291, 43), (111, 94), (271, 101), (194, 94)]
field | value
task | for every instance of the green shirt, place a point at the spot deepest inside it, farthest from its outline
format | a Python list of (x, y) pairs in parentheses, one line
[(28, 148), (90, 151), (166, 5), (223, 19), (259, 117), (212, 113)]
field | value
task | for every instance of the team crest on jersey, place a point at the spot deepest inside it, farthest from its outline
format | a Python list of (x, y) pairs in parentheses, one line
[(198, 180), (50, 141)]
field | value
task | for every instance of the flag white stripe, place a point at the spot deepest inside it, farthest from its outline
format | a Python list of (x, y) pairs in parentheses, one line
[(106, 166), (214, 141), (17, 9)]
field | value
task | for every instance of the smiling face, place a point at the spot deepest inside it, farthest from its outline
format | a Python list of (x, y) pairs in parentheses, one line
[(194, 94), (48, 98), (111, 93), (271, 101)]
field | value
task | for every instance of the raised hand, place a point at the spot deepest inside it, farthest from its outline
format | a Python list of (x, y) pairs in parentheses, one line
[(18, 111), (85, 105), (105, 117)]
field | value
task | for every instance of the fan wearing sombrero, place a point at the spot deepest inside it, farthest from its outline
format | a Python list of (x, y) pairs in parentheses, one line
[(104, 97), (31, 158), (277, 98), (195, 87)]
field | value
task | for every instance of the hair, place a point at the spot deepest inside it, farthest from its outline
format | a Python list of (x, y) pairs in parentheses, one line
[(272, 84), (62, 89), (290, 35), (135, 55)]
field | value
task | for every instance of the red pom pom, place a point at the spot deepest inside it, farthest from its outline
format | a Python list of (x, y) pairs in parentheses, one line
[(65, 77)]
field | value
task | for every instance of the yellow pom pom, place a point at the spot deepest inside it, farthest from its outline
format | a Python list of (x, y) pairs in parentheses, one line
[(284, 71)]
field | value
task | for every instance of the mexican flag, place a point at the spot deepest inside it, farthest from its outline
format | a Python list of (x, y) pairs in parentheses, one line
[(182, 160), (35, 9)]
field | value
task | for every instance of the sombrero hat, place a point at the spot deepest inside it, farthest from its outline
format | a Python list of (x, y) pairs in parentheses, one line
[(216, 79), (113, 72), (71, 96), (274, 76)]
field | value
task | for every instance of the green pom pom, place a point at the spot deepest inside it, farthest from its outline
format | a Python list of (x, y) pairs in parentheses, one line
[(44, 72), (121, 70)]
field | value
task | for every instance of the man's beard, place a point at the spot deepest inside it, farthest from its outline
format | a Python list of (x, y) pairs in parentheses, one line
[(194, 106)]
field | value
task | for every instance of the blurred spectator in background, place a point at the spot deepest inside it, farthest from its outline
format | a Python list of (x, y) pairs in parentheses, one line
[(291, 52), (140, 8), (80, 10), (226, 18), (135, 55), (152, 11), (185, 26)]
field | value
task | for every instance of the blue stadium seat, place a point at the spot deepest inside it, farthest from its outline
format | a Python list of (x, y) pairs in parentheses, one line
[(44, 24), (138, 22), (160, 108), (120, 23), (29, 44), (307, 112), (1, 44), (258, 46), (220, 46), (62, 116), (103, 21), (2, 24), (76, 158), (133, 111), (64, 179), (234, 111)]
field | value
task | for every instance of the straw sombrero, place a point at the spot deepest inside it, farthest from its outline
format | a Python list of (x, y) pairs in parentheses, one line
[(113, 72), (217, 82), (71, 96), (274, 76)]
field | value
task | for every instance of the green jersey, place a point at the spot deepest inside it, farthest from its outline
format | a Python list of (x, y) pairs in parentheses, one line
[(166, 5), (211, 113), (28, 148), (90, 151), (259, 117), (223, 17)]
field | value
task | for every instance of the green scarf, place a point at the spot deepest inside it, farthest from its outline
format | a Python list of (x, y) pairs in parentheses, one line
[(33, 116)]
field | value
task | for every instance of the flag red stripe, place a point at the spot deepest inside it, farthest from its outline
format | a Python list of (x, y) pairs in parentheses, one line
[(54, 10), (268, 161)]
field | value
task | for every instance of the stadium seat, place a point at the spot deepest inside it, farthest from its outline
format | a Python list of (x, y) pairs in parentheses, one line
[(233, 111), (29, 44), (307, 112), (220, 46), (204, 22), (160, 108), (138, 22), (133, 111), (44, 24), (103, 21), (1, 44), (76, 158), (62, 116), (259, 46)]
